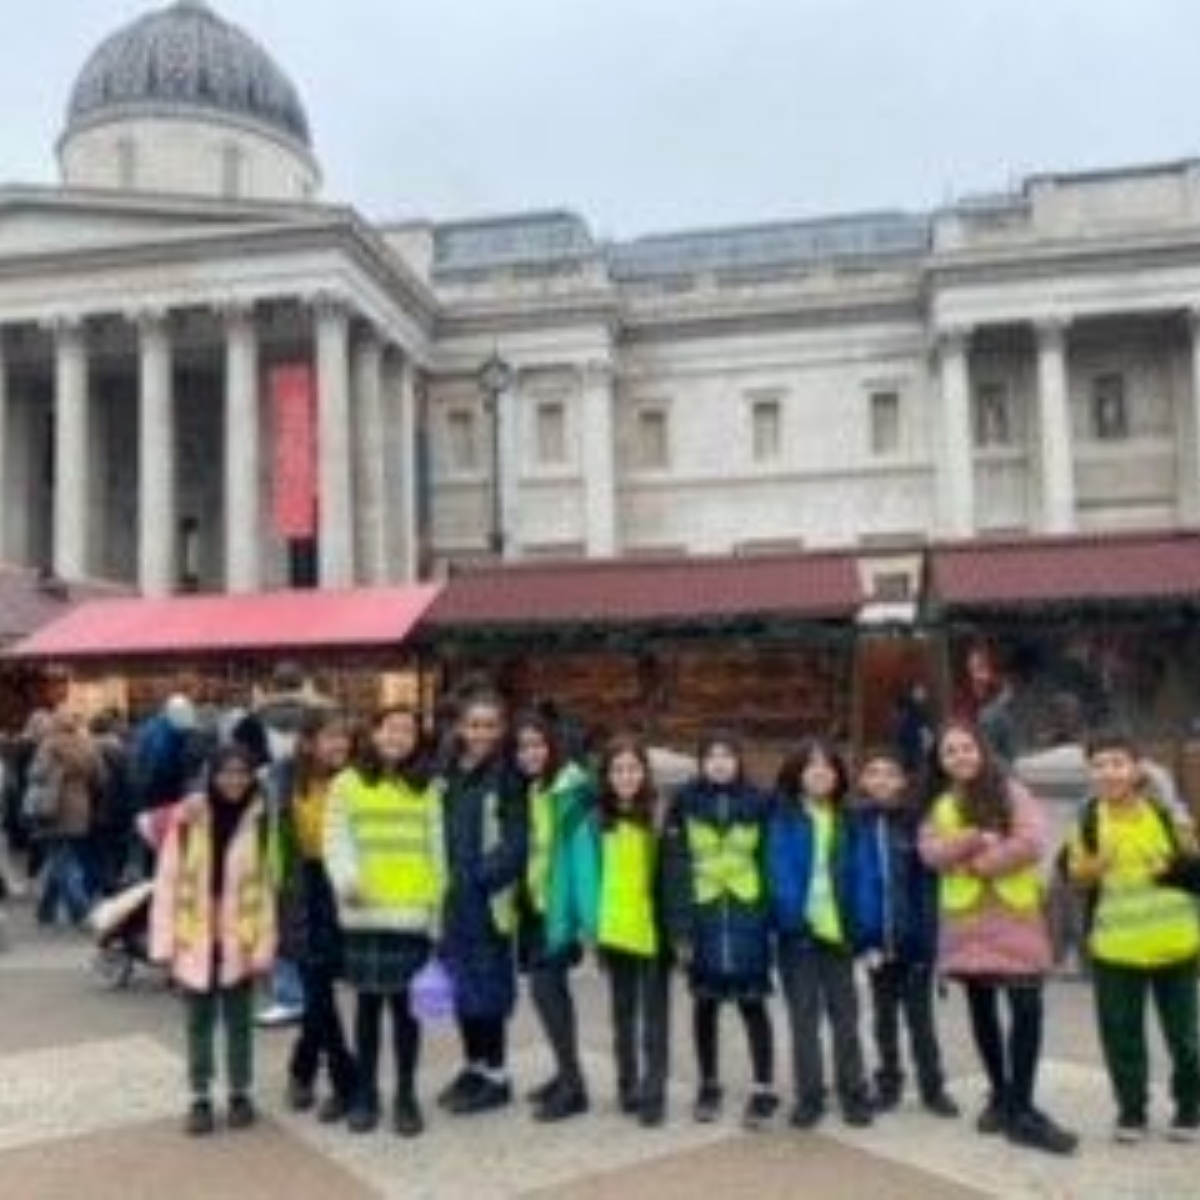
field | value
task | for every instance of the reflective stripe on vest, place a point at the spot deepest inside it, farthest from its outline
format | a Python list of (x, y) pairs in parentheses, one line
[(627, 890), (541, 845), (394, 831), (725, 863), (960, 892), (1136, 922)]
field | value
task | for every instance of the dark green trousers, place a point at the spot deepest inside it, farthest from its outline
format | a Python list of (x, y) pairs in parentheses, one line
[(1121, 1015), (232, 1007)]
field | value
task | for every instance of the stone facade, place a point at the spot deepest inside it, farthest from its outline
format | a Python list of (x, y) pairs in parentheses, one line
[(1018, 363)]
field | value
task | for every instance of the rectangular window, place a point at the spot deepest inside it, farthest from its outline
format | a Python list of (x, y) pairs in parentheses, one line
[(1110, 413), (462, 441), (652, 449), (885, 423), (993, 415), (551, 434), (766, 419)]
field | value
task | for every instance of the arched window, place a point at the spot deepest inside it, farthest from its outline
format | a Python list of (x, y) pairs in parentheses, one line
[(126, 163), (233, 171)]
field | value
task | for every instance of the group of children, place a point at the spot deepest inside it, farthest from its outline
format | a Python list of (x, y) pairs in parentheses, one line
[(374, 862)]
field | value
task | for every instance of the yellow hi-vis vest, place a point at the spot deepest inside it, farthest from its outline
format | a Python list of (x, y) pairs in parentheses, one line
[(725, 862), (1138, 923), (398, 840), (628, 865), (1020, 891)]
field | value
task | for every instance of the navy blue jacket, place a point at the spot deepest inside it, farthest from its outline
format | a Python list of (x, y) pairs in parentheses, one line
[(895, 894), (729, 937), (790, 853)]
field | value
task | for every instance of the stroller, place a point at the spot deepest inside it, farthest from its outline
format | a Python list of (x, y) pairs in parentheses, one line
[(121, 927)]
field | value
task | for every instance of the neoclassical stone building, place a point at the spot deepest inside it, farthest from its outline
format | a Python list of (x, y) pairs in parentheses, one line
[(1019, 363)]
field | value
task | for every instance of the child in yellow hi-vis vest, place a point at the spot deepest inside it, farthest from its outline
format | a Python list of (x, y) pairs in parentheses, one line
[(630, 934), (1144, 937)]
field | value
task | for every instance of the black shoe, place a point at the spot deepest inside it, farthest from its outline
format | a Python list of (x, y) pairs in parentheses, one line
[(567, 1100), (333, 1109), (858, 1113), (629, 1101), (708, 1103), (759, 1111), (200, 1121), (1185, 1127), (300, 1096), (458, 1088), (363, 1117), (941, 1104), (652, 1113), (1036, 1131), (242, 1113), (541, 1093), (885, 1099), (407, 1119), (484, 1095), (807, 1114), (994, 1118), (1131, 1128)]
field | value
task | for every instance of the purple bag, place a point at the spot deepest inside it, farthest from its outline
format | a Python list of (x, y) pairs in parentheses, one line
[(431, 993)]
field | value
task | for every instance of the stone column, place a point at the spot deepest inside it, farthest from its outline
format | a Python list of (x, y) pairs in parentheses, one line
[(157, 504), (599, 470), (508, 430), (1189, 453), (405, 534), (953, 446), (370, 476), (1056, 471), (335, 470), (71, 458), (243, 496)]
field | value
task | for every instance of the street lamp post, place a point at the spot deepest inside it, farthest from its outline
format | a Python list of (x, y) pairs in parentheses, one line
[(495, 378)]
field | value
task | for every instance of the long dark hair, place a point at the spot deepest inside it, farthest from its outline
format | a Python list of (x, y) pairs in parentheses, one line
[(646, 808), (307, 770), (415, 770), (985, 800), (790, 781), (219, 759), (548, 731)]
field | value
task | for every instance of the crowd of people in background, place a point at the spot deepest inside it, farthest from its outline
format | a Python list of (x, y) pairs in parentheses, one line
[(423, 870)]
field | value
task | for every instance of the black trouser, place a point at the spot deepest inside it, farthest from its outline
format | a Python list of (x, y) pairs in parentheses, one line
[(640, 990), (322, 1035), (484, 1041), (1121, 993), (903, 987), (406, 1043), (706, 1016), (819, 979), (550, 990), (1011, 1062)]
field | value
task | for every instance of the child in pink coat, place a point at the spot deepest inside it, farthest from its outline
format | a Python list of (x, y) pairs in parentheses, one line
[(213, 923)]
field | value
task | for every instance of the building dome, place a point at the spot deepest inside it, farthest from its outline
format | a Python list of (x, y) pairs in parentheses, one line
[(184, 59)]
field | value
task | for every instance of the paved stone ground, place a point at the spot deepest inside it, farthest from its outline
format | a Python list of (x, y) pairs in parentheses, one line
[(91, 1091)]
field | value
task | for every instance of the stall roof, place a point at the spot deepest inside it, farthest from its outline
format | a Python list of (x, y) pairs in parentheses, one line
[(29, 600), (1089, 569), (203, 625), (645, 591)]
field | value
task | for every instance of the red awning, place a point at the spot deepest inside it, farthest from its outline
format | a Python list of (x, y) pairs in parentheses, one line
[(1087, 569), (634, 591), (272, 621)]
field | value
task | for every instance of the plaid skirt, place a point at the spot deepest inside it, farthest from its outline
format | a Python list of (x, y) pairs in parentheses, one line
[(381, 961)]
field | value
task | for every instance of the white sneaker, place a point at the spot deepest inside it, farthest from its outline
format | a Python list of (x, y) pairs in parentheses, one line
[(1128, 1132), (1184, 1129), (278, 1016)]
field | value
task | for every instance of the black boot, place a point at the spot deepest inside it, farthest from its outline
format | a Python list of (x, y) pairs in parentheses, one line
[(567, 1099)]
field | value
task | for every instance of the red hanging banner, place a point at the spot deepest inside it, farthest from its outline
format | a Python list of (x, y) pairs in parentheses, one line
[(294, 413)]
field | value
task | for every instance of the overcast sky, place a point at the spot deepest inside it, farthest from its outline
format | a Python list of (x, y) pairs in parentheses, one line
[(652, 115)]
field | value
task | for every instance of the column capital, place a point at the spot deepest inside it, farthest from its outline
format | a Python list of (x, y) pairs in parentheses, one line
[(949, 340), (64, 324), (236, 312), (1051, 332), (330, 304), (150, 319), (598, 372)]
